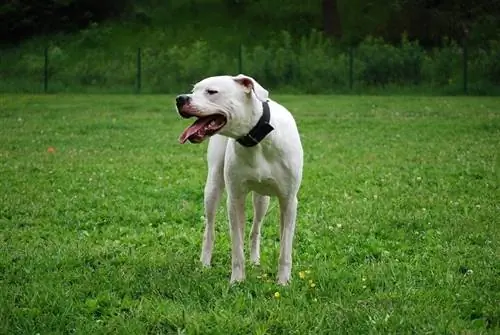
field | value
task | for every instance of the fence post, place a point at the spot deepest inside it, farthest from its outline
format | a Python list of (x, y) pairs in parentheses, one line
[(351, 62), (138, 76), (240, 59), (46, 70), (465, 63)]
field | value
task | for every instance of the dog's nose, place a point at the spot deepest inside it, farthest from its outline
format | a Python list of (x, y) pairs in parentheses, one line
[(181, 100)]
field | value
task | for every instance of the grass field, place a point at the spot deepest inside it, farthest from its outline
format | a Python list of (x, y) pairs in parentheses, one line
[(101, 221)]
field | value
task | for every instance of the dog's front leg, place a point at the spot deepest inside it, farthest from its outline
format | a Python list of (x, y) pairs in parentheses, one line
[(288, 213), (214, 187), (236, 211), (213, 191)]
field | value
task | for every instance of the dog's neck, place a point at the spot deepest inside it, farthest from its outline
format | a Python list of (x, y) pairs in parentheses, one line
[(260, 130), (250, 114)]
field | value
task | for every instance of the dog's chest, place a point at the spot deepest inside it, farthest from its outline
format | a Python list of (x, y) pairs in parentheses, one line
[(263, 186), (258, 174)]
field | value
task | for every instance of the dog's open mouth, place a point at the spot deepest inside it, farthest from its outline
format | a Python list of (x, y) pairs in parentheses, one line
[(202, 128)]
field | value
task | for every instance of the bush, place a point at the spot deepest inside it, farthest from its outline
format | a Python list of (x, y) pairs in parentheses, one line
[(442, 65), (383, 63), (314, 66), (485, 63), (178, 67)]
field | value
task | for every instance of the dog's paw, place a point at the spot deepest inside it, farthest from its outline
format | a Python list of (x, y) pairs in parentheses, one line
[(236, 283), (283, 280), (255, 262), (205, 261), (237, 277), (206, 265)]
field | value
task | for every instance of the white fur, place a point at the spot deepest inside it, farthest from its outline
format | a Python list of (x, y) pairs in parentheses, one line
[(271, 168)]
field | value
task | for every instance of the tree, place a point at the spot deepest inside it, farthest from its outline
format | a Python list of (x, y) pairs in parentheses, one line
[(331, 18), (21, 19)]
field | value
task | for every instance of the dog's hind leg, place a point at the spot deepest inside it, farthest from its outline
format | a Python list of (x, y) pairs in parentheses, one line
[(214, 187), (288, 215), (260, 206)]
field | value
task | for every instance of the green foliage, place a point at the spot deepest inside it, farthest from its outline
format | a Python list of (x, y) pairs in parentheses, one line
[(485, 64), (382, 63), (312, 67), (442, 65), (311, 64), (282, 45), (179, 67)]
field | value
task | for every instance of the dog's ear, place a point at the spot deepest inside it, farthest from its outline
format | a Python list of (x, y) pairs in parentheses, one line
[(249, 84)]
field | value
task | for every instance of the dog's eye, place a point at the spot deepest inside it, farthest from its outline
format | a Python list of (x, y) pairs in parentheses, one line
[(212, 92)]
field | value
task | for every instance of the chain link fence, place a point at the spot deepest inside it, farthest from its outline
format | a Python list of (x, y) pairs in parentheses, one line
[(306, 67)]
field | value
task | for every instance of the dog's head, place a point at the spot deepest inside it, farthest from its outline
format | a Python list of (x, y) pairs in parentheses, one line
[(220, 104)]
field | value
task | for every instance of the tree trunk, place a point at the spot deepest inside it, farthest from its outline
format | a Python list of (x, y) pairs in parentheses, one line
[(331, 18)]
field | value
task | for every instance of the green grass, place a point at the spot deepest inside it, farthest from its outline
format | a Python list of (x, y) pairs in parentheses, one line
[(398, 221)]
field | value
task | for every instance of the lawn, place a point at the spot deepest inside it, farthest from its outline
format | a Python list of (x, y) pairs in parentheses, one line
[(101, 221)]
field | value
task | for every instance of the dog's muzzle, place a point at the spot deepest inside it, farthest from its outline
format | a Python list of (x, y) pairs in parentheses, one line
[(180, 102), (204, 126)]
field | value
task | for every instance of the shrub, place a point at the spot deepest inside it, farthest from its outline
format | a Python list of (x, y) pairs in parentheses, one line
[(379, 61), (412, 56), (441, 66), (383, 63), (314, 66), (485, 62), (176, 68)]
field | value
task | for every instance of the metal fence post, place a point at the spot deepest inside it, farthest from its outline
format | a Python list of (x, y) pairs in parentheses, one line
[(465, 63), (46, 70), (351, 62), (138, 76)]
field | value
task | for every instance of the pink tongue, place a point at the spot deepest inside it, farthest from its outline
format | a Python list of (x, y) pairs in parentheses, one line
[(192, 129)]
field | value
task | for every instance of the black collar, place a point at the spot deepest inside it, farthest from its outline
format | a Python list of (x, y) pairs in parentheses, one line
[(261, 129)]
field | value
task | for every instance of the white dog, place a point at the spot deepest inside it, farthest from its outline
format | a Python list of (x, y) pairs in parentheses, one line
[(254, 146)]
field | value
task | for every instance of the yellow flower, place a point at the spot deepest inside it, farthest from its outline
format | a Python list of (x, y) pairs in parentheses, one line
[(311, 283), (302, 274), (308, 271), (277, 295)]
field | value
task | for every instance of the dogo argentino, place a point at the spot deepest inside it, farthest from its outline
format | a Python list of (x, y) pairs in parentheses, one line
[(254, 146)]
